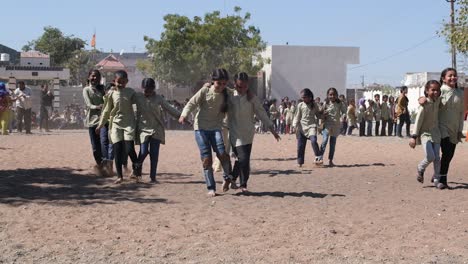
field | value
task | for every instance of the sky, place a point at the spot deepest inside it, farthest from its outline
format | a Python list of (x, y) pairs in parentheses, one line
[(394, 36)]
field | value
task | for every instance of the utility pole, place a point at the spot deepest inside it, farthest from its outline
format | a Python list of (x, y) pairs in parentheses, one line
[(452, 30), (362, 81)]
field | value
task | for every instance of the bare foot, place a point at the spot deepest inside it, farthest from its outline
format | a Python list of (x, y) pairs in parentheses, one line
[(211, 193), (244, 190), (226, 184), (119, 180), (331, 164)]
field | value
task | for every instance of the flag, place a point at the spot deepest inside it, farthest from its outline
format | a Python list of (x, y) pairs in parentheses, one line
[(93, 41)]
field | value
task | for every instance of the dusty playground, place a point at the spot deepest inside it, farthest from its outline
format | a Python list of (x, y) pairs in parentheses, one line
[(367, 209)]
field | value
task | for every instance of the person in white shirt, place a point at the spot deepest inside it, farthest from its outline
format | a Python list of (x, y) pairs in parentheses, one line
[(23, 107)]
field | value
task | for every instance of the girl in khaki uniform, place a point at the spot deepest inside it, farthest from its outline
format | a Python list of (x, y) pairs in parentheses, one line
[(451, 120), (151, 131), (306, 123), (333, 109), (210, 104), (426, 131), (119, 112), (351, 116), (243, 107)]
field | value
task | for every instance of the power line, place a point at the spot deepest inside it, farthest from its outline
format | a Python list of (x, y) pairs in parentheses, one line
[(395, 54)]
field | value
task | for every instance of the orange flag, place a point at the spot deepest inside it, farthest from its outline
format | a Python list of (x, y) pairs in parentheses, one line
[(93, 41)]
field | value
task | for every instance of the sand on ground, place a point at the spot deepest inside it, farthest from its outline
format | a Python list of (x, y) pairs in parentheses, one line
[(367, 209)]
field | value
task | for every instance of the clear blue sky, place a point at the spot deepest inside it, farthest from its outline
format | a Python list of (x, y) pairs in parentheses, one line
[(380, 28)]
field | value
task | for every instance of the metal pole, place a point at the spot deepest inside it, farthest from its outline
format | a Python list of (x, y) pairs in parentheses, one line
[(452, 30)]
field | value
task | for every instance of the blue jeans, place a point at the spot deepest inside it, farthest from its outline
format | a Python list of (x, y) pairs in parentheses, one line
[(106, 147), (301, 146), (208, 140), (323, 147), (151, 147), (369, 128)]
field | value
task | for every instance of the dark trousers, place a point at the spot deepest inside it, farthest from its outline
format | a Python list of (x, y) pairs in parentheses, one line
[(151, 147), (242, 164), (383, 131), (404, 119), (448, 149), (23, 114), (391, 126), (362, 128), (377, 128), (95, 144), (301, 146), (44, 121), (369, 128), (122, 149), (350, 129), (344, 127)]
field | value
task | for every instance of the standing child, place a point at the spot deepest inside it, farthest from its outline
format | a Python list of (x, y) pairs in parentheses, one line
[(151, 124), (391, 120), (369, 116), (289, 117), (343, 118), (305, 123), (361, 117), (377, 113), (120, 114), (426, 131), (351, 116), (211, 105), (332, 111), (385, 114)]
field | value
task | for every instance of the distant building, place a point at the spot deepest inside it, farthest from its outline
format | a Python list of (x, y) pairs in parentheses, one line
[(417, 80), (128, 60), (34, 59), (293, 68)]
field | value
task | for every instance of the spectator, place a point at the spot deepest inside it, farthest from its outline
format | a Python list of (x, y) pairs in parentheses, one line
[(23, 107), (46, 107)]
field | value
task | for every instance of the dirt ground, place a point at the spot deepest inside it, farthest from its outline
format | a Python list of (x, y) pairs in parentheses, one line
[(367, 209)]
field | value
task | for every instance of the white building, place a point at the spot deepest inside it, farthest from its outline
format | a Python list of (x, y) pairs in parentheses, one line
[(416, 82), (293, 68), (34, 59)]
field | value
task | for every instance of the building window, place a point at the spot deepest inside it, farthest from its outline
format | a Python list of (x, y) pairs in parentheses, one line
[(35, 74)]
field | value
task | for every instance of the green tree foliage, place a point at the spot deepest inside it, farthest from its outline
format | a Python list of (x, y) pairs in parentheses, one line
[(61, 48), (80, 63), (459, 37), (189, 50)]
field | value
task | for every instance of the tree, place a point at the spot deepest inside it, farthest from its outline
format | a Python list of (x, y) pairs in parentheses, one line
[(459, 36), (61, 48), (80, 63), (188, 50)]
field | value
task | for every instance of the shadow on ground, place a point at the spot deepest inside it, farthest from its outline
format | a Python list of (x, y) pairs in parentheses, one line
[(273, 173), (360, 165), (65, 186), (288, 194), (277, 159), (458, 185)]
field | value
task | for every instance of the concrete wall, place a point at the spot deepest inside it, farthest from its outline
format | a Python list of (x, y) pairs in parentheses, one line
[(318, 68), (24, 73), (39, 62)]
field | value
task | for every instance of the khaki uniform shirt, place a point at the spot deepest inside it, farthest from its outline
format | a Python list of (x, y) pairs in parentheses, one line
[(332, 113), (150, 117), (306, 119), (426, 125), (208, 104), (120, 114), (451, 113), (93, 98), (241, 118), (351, 115), (377, 111), (385, 111)]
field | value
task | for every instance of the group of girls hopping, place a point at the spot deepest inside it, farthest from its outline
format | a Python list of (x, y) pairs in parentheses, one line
[(211, 104), (113, 122), (113, 118), (306, 123), (439, 126)]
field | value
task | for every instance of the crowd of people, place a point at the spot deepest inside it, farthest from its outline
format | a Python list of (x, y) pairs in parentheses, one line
[(225, 121)]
